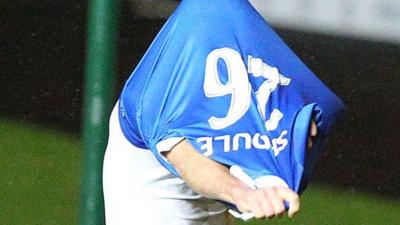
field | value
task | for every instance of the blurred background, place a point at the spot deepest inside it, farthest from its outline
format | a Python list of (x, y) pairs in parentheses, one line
[(352, 45)]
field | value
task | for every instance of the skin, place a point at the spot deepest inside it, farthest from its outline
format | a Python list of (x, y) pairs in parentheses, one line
[(195, 168)]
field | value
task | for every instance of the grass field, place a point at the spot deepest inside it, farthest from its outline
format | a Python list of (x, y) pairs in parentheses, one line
[(39, 173)]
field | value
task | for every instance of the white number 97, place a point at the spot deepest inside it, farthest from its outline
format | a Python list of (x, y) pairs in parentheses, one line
[(238, 85)]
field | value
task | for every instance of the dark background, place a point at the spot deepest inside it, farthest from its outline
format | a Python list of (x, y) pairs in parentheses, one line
[(42, 55)]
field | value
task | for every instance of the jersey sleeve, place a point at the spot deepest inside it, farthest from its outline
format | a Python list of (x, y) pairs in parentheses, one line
[(232, 88)]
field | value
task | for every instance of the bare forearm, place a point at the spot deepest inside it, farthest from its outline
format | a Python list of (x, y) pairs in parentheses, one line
[(203, 175), (213, 180)]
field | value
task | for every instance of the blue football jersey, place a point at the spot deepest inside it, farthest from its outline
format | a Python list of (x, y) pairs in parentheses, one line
[(218, 76)]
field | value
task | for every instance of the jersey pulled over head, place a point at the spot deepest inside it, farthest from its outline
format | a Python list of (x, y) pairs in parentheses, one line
[(218, 76)]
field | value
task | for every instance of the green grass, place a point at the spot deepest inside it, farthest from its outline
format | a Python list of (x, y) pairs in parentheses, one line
[(39, 173)]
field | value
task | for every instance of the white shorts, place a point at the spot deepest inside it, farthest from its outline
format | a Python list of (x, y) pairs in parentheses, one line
[(138, 190)]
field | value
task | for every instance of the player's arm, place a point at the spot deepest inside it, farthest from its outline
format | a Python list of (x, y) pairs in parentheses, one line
[(213, 180)]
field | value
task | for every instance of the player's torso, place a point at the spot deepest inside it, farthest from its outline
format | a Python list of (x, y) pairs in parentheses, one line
[(228, 84)]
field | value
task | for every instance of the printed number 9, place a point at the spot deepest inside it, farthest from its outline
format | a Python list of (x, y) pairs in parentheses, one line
[(238, 86)]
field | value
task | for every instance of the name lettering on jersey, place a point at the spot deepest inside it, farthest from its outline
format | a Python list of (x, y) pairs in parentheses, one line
[(239, 87), (244, 141)]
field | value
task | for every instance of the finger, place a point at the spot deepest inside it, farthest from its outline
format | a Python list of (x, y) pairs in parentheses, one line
[(276, 201), (266, 205), (292, 198), (258, 211), (312, 133), (313, 129)]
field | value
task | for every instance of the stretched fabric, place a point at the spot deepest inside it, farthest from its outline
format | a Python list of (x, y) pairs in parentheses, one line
[(218, 76)]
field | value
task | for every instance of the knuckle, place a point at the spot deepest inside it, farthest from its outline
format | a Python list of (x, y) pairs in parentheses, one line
[(267, 191), (292, 196)]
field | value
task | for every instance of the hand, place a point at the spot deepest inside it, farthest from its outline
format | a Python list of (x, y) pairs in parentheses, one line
[(265, 202)]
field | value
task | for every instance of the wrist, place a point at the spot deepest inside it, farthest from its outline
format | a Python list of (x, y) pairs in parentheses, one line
[(236, 191)]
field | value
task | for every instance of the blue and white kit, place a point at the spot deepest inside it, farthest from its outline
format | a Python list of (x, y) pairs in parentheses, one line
[(218, 76), (227, 83)]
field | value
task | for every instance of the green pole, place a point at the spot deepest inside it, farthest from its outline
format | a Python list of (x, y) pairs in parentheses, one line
[(98, 100)]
